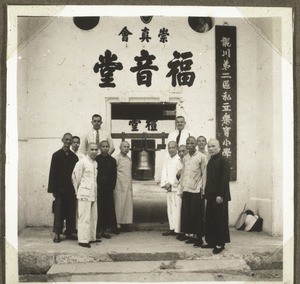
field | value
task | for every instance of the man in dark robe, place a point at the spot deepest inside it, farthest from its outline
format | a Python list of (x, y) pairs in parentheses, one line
[(106, 181), (60, 185), (217, 194)]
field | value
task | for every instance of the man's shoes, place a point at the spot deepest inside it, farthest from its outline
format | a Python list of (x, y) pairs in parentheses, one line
[(56, 239), (183, 237), (105, 236), (116, 231), (191, 241), (169, 233), (208, 246), (71, 237), (85, 245), (180, 236), (198, 244), (217, 250), (95, 241)]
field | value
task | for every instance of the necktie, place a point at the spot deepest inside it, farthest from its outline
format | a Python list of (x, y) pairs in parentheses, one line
[(97, 138), (178, 137)]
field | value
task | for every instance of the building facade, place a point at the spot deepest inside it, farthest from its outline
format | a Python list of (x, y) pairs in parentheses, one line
[(158, 68)]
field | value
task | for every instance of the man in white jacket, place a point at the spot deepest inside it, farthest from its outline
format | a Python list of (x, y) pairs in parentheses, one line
[(84, 179), (170, 183)]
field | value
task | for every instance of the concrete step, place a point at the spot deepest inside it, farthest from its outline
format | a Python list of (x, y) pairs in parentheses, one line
[(267, 276), (232, 266), (37, 252)]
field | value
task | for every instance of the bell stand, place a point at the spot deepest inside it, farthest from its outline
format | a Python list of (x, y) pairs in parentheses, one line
[(163, 136)]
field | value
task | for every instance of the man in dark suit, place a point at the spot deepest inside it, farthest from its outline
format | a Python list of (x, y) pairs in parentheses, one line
[(60, 185), (217, 194), (106, 182)]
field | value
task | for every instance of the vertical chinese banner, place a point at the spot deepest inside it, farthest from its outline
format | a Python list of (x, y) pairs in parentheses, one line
[(226, 97)]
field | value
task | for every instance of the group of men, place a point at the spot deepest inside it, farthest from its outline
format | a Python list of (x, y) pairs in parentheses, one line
[(197, 185), (94, 190)]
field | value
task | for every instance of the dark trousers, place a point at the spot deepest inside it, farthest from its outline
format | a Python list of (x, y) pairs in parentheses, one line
[(64, 209), (192, 214), (106, 211), (216, 224)]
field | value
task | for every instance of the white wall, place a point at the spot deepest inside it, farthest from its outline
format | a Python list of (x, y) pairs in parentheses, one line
[(63, 93)]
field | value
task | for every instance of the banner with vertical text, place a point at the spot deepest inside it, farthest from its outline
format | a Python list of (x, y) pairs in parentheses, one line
[(226, 94)]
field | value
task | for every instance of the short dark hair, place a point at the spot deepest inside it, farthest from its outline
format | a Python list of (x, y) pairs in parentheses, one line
[(76, 137), (97, 115), (180, 116)]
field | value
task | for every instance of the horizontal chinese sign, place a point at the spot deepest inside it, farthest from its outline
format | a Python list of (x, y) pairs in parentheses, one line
[(226, 94)]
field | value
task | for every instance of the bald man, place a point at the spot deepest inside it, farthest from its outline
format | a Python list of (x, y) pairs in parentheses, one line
[(191, 180), (123, 191), (106, 181), (170, 183), (84, 179), (217, 195)]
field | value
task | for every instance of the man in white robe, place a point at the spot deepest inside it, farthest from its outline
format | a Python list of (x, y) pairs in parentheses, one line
[(170, 183), (123, 191), (84, 178)]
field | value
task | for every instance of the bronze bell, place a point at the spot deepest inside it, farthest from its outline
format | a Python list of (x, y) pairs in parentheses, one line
[(143, 163)]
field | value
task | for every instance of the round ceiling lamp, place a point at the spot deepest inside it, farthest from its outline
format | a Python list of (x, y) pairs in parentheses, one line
[(200, 24), (86, 23)]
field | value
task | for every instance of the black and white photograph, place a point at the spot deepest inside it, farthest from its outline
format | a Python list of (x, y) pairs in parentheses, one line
[(149, 144)]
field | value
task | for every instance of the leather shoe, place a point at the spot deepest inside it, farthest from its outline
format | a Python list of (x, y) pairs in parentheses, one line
[(85, 245), (105, 236), (116, 231), (169, 233), (191, 241), (71, 237), (198, 244), (56, 240), (95, 241), (217, 250), (182, 238), (207, 246)]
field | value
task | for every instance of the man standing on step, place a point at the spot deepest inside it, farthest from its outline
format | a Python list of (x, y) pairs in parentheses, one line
[(60, 185), (123, 192), (191, 181), (106, 181), (217, 194), (170, 183), (182, 151), (84, 178), (98, 134)]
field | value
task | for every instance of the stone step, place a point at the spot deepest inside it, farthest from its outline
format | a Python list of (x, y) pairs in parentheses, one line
[(37, 252), (232, 266)]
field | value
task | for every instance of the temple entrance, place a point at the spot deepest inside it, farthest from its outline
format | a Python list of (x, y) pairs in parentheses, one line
[(145, 126)]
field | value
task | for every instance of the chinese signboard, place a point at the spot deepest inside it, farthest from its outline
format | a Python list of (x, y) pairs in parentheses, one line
[(226, 93), (180, 68)]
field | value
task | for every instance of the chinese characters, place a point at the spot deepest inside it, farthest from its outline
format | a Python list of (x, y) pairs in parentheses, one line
[(107, 66), (226, 92), (180, 68)]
